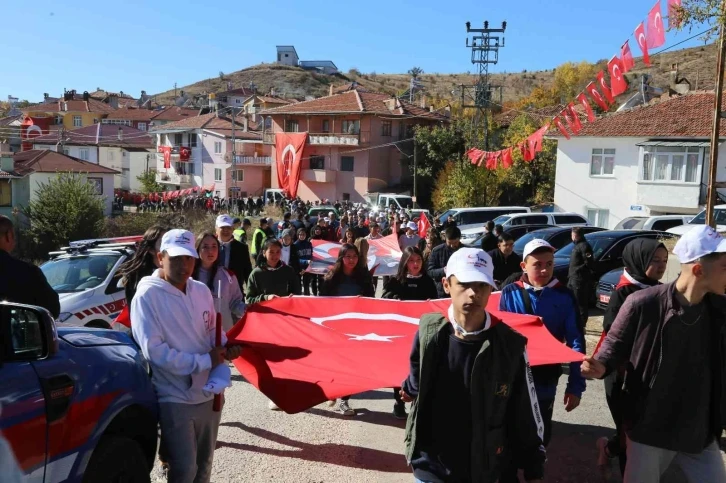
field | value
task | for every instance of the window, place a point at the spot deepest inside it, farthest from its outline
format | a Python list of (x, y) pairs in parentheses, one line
[(95, 120), (217, 147), (97, 184), (569, 220), (77, 122), (317, 162), (532, 220), (6, 193), (386, 128), (268, 123), (192, 140), (26, 334), (602, 162), (326, 126), (598, 217), (184, 167), (125, 172), (177, 139), (291, 126), (83, 153), (351, 127), (116, 122), (237, 175), (236, 101), (671, 164), (346, 163), (663, 225), (142, 126), (346, 196), (58, 119), (217, 174)]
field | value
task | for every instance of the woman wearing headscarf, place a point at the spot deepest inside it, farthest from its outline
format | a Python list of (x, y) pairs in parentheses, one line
[(645, 263)]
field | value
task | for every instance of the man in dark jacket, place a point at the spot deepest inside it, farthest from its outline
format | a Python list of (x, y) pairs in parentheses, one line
[(506, 262), (21, 282), (489, 241), (579, 275), (671, 339), (436, 266), (233, 255)]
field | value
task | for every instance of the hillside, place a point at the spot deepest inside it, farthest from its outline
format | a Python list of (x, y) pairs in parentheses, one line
[(697, 64)]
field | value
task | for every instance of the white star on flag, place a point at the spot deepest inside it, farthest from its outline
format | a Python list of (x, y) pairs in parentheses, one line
[(374, 337)]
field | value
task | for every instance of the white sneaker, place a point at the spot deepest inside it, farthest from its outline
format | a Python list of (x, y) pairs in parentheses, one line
[(271, 405), (345, 409), (332, 402)]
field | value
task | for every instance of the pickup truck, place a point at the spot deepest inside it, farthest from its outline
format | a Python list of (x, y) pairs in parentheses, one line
[(77, 403)]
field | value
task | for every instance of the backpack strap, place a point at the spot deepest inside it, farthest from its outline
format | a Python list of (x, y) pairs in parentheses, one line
[(526, 299)]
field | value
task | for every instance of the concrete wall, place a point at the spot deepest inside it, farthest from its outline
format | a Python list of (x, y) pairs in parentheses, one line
[(211, 161), (37, 178), (129, 164)]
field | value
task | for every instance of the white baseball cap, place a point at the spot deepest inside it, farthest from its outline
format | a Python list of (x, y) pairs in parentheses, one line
[(178, 243), (412, 226), (471, 265), (698, 242), (536, 244), (224, 220)]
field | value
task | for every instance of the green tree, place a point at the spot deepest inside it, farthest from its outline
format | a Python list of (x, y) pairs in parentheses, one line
[(415, 72), (148, 182), (439, 144), (462, 184), (696, 13), (64, 209)]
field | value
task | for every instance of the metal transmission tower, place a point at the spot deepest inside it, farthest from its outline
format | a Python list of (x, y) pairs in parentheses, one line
[(484, 51)]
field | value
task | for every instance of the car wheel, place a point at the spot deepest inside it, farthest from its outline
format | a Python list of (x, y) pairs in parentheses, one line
[(98, 324), (117, 459)]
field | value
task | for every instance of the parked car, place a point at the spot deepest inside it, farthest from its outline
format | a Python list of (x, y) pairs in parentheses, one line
[(467, 218), (85, 277), (605, 287), (660, 223), (316, 211), (78, 404), (516, 231), (555, 219), (719, 212), (557, 236), (607, 248)]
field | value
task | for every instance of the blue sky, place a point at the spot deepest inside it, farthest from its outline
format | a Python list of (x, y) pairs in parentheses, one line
[(150, 45)]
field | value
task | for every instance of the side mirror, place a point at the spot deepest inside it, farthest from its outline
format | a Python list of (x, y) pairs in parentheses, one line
[(28, 332)]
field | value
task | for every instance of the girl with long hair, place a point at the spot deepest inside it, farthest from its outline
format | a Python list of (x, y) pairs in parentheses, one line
[(143, 263), (348, 236), (432, 240), (272, 278), (209, 271), (347, 278)]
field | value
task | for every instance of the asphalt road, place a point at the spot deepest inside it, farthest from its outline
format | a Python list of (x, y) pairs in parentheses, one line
[(256, 444)]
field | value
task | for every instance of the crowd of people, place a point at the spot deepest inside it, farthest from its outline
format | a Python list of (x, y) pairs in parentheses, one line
[(660, 356)]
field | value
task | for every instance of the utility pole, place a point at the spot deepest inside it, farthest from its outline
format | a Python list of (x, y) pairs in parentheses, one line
[(174, 90), (716, 128), (415, 170), (234, 154)]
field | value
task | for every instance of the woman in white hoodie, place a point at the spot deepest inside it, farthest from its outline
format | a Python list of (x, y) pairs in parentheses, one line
[(209, 271)]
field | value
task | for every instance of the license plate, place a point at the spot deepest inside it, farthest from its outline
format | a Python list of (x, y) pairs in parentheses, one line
[(605, 299)]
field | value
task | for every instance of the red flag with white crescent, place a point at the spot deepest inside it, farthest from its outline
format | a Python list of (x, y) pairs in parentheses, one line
[(618, 84), (558, 122), (591, 89), (642, 42), (582, 99), (626, 56), (184, 153), (302, 351), (674, 20), (424, 225), (289, 149), (383, 255), (572, 119), (604, 88), (166, 150), (656, 30)]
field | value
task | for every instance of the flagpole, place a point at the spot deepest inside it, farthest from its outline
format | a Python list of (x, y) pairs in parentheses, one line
[(716, 128)]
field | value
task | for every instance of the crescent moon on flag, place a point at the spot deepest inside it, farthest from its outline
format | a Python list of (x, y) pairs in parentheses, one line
[(658, 21), (324, 249), (616, 72), (357, 315), (641, 41)]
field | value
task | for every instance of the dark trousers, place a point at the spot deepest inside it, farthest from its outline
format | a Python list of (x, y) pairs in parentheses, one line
[(397, 395), (613, 396), (310, 284), (546, 408), (583, 292)]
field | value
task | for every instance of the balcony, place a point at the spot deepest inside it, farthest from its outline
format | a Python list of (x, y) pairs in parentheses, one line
[(258, 160), (328, 139), (318, 175), (174, 178), (669, 195), (175, 152)]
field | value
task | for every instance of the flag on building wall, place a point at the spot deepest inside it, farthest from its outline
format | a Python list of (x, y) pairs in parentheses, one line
[(289, 149)]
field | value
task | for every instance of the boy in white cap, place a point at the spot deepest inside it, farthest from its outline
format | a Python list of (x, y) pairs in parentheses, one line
[(474, 406), (539, 293), (672, 338), (410, 238), (174, 325)]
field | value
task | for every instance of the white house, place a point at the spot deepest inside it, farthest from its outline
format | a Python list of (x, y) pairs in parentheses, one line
[(646, 161)]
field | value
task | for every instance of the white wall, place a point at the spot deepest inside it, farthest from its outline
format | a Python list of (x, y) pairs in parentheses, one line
[(129, 164), (37, 178), (212, 160)]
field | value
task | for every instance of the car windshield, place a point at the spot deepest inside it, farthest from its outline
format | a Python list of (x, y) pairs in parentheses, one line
[(700, 219), (445, 215), (500, 220), (631, 224), (599, 246), (76, 274), (524, 239)]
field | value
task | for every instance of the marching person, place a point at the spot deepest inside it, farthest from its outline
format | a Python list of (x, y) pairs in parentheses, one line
[(272, 278), (375, 233), (410, 283), (347, 278), (305, 252), (672, 337), (432, 240), (209, 271), (440, 257), (144, 262), (348, 236), (473, 406), (22, 282), (506, 262), (289, 254), (645, 262), (489, 241), (538, 293), (233, 255), (410, 238), (174, 326), (579, 275), (258, 238)]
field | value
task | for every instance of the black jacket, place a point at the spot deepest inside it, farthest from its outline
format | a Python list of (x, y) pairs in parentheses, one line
[(489, 242), (23, 283), (294, 261), (504, 267), (422, 288), (239, 262), (581, 262), (437, 263), (133, 279)]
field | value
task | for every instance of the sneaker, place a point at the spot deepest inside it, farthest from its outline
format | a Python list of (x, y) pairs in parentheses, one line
[(332, 402), (272, 406), (399, 411), (345, 409)]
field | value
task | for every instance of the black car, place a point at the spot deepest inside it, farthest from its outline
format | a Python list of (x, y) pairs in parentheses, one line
[(516, 231), (557, 236), (605, 287), (607, 248)]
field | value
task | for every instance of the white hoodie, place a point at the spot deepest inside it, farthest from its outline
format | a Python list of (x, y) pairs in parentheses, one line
[(176, 331)]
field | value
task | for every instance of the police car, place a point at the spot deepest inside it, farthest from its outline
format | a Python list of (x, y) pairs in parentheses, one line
[(85, 277)]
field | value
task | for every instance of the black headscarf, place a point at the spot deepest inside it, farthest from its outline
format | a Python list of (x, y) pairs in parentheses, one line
[(637, 255)]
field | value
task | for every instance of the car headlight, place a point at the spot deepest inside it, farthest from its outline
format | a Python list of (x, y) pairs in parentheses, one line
[(63, 316)]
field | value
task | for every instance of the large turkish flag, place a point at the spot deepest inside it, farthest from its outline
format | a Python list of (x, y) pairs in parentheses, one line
[(289, 149), (302, 351), (383, 256)]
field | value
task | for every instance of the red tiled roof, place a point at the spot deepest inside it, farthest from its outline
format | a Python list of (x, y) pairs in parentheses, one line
[(74, 105), (242, 91), (8, 120), (687, 116), (274, 100), (174, 113), (221, 124), (47, 161), (132, 114), (101, 135)]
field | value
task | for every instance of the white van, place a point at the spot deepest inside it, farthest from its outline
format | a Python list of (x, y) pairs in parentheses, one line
[(466, 218), (558, 219)]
